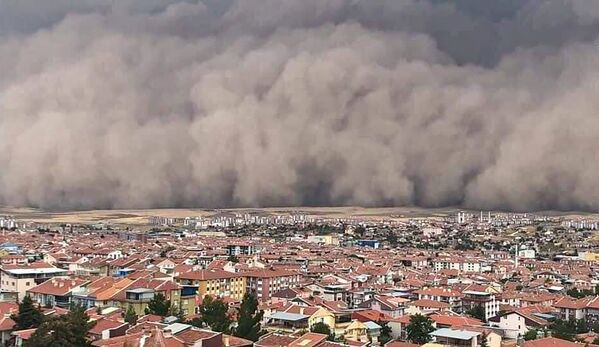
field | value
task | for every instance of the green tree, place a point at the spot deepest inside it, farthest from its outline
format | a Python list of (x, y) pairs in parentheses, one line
[(385, 332), (248, 323), (323, 328), (130, 316), (70, 329), (159, 305), (233, 258), (196, 322), (574, 293), (531, 335), (392, 239), (29, 316), (360, 230), (582, 326), (565, 330), (215, 314), (419, 329), (477, 312), (166, 250), (177, 312)]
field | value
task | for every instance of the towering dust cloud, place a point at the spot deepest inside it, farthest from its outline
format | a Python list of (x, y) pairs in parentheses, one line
[(150, 103)]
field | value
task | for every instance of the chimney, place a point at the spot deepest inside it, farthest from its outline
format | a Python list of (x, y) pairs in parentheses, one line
[(167, 332), (226, 340), (301, 310)]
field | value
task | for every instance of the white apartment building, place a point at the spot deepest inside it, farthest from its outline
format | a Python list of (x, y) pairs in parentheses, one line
[(19, 279)]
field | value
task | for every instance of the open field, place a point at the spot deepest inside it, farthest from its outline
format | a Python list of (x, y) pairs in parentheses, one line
[(140, 216)]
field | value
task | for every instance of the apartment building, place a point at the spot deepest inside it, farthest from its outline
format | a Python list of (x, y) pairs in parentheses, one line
[(211, 282), (19, 279), (265, 282)]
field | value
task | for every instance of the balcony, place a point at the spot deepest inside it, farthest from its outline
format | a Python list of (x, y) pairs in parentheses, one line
[(189, 291), (140, 294)]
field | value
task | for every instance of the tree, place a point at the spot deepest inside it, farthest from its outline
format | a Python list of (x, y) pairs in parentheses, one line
[(574, 293), (29, 316), (215, 314), (477, 312), (233, 258), (177, 312), (70, 329), (392, 239), (531, 335), (565, 330), (196, 322), (323, 328), (166, 250), (582, 326), (159, 305), (419, 329), (248, 322), (360, 230), (385, 332), (130, 316)]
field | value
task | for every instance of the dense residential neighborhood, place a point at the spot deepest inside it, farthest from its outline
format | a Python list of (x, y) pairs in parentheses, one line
[(304, 282)]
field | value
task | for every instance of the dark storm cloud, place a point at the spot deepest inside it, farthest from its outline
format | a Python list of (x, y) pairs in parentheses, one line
[(287, 102)]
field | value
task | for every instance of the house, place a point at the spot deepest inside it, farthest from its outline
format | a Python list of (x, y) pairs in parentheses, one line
[(426, 306), (20, 278), (6, 323), (166, 266), (485, 300), (56, 291), (451, 337), (389, 305), (11, 248), (105, 328), (21, 336), (517, 323), (240, 248), (357, 331), (370, 315), (446, 295), (550, 342), (492, 338), (294, 317), (305, 340), (374, 332), (571, 308), (460, 264)]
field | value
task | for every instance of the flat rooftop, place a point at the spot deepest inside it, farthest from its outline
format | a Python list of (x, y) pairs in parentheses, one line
[(35, 271), (455, 334)]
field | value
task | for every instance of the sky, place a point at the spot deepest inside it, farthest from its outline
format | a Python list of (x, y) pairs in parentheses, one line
[(251, 103)]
